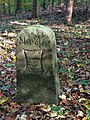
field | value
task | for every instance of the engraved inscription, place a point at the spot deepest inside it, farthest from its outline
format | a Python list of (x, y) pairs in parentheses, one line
[(37, 78), (34, 39)]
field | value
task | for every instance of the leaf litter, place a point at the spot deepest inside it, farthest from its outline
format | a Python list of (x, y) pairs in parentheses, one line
[(73, 67)]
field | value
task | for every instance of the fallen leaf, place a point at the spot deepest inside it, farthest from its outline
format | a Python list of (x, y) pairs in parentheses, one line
[(2, 100), (85, 118), (80, 114), (46, 108), (62, 96), (52, 114)]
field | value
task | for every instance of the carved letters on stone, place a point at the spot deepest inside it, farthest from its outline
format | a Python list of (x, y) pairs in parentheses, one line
[(33, 47), (34, 39), (37, 78)]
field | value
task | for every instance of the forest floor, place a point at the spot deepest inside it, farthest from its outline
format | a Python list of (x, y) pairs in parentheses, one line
[(73, 51)]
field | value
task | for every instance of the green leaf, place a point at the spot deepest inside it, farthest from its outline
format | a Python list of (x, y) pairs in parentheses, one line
[(13, 64), (88, 113), (83, 82), (60, 113), (8, 54), (55, 108), (68, 111), (89, 109), (8, 65), (6, 87), (83, 51)]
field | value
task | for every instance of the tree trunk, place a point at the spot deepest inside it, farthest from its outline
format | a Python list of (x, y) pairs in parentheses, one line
[(25, 9), (69, 11), (44, 4), (18, 5), (34, 8), (60, 3), (52, 2), (9, 7), (4, 8), (75, 2), (48, 4)]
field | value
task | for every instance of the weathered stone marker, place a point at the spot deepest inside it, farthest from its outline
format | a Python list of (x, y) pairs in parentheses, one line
[(36, 66)]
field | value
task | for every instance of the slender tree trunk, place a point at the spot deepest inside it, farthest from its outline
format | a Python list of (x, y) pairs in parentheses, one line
[(44, 4), (4, 8), (48, 4), (18, 5), (34, 8), (48, 1), (9, 7), (60, 3), (52, 2), (69, 11), (75, 2), (25, 6)]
